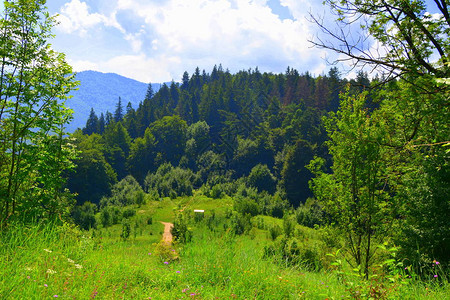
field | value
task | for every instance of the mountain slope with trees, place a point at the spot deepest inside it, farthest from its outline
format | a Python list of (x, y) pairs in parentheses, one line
[(101, 92), (221, 126)]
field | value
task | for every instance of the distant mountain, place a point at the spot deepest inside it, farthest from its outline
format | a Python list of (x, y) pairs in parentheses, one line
[(101, 91)]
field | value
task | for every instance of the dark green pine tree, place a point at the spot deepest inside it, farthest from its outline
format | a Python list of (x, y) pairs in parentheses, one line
[(118, 114), (150, 93), (185, 81), (101, 124), (109, 118), (91, 124)]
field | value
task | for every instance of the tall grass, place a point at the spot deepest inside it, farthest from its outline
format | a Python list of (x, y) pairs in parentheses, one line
[(49, 261)]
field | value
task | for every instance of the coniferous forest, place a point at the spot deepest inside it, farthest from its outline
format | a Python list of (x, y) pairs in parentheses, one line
[(303, 186)]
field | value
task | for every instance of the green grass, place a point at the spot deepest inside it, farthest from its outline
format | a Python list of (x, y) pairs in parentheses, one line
[(44, 262)]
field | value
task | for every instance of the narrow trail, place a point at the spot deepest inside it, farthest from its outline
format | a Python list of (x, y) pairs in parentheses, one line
[(167, 235)]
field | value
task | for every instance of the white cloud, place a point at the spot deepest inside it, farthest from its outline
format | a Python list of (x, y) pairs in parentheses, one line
[(75, 17), (179, 35)]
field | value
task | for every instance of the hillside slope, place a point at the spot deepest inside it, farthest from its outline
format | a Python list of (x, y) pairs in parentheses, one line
[(101, 91)]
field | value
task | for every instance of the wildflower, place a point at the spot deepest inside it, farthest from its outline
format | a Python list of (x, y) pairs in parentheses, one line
[(192, 294), (78, 266), (45, 285), (50, 271), (149, 253), (185, 290), (166, 262), (435, 276), (49, 251), (178, 272), (55, 296), (69, 260)]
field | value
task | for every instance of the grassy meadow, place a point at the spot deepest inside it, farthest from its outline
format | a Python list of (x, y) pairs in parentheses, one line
[(65, 262)]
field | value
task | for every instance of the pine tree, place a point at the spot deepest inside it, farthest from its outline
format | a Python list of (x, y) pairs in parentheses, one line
[(150, 92), (92, 124), (118, 114), (101, 124)]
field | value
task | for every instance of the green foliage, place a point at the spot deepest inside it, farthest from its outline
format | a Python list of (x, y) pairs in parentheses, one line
[(288, 226), (180, 229), (34, 149), (172, 182), (170, 138), (126, 229), (275, 231), (310, 214), (124, 193), (128, 213), (295, 175), (110, 215), (240, 223), (262, 179), (356, 195), (294, 252), (84, 215), (93, 176)]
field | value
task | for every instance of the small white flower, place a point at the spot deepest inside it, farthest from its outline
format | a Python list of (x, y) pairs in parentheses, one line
[(78, 266), (28, 269), (49, 251), (69, 260), (50, 271)]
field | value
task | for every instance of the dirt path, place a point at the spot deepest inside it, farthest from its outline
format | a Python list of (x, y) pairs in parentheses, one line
[(167, 236)]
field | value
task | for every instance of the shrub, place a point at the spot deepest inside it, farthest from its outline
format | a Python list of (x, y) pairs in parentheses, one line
[(172, 182), (310, 213), (126, 229), (262, 179), (240, 223), (180, 229), (125, 192), (288, 226), (128, 213), (110, 215), (275, 231), (84, 215)]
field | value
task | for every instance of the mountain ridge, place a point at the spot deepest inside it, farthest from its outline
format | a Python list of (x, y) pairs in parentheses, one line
[(101, 91)]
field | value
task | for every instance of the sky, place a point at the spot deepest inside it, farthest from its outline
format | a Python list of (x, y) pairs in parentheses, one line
[(157, 40)]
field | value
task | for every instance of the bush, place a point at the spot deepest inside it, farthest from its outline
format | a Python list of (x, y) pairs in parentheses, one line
[(126, 229), (84, 215), (240, 223), (110, 215), (310, 213), (125, 192), (262, 179), (128, 213), (288, 226), (275, 231), (307, 254), (180, 229), (171, 182)]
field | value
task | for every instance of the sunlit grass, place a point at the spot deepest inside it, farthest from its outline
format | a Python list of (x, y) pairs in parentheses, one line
[(63, 262)]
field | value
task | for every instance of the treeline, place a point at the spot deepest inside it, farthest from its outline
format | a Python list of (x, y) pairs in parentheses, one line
[(212, 129)]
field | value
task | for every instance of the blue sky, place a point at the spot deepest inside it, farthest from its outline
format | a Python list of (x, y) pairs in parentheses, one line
[(157, 40)]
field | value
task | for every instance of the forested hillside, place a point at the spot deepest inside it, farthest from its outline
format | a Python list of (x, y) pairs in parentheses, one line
[(225, 185), (100, 91), (218, 127)]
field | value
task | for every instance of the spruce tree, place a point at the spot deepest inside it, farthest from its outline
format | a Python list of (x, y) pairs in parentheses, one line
[(118, 114), (92, 124)]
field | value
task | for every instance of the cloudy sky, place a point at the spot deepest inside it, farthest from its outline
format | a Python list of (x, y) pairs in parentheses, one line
[(157, 40)]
